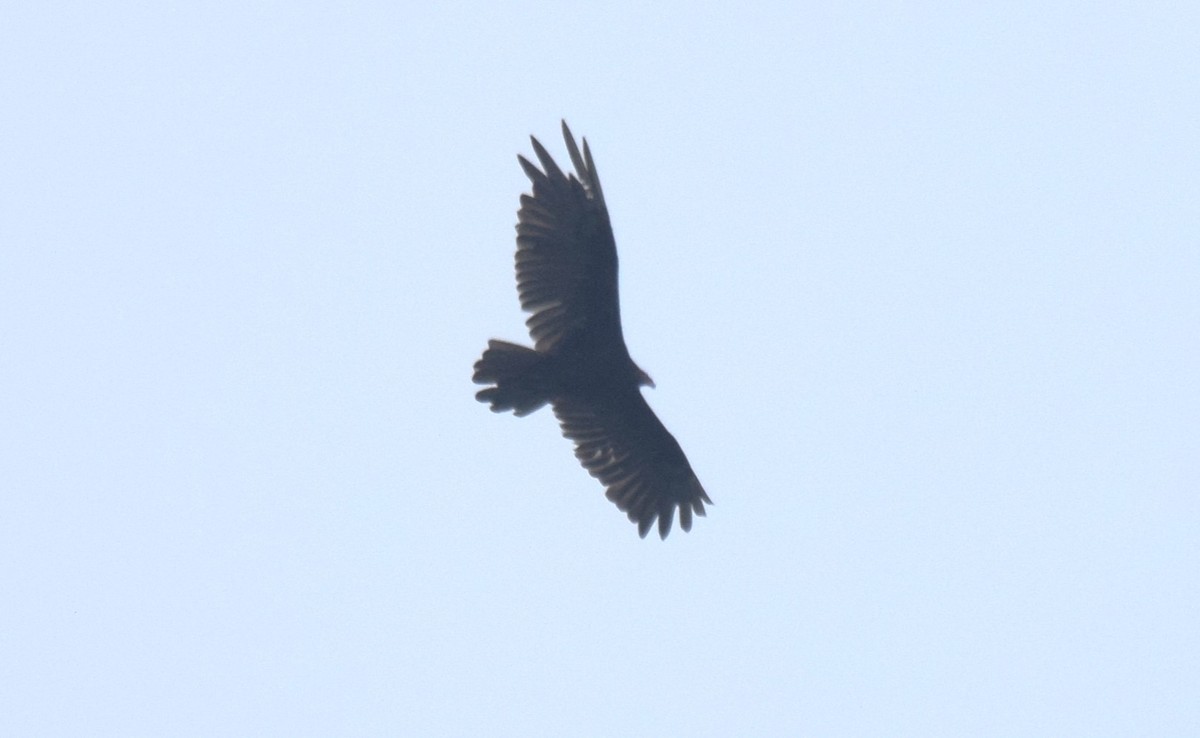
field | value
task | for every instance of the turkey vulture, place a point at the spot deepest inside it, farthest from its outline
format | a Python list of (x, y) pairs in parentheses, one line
[(567, 278)]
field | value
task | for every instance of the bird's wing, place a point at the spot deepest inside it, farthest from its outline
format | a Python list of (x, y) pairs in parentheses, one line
[(622, 443), (566, 256)]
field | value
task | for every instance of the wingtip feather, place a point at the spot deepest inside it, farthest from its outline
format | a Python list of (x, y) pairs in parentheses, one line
[(548, 165)]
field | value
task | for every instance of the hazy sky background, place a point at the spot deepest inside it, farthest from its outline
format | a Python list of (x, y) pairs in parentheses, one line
[(918, 284)]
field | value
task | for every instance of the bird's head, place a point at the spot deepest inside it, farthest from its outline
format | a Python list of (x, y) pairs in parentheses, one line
[(643, 379)]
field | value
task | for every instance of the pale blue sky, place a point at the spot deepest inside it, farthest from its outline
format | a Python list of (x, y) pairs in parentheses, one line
[(918, 284)]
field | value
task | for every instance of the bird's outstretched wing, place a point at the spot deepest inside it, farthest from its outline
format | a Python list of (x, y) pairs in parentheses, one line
[(566, 257), (622, 443)]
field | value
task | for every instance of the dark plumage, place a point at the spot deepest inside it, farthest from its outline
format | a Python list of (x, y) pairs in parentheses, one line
[(567, 278)]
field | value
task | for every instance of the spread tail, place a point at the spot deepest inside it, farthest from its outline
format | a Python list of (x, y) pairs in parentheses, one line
[(519, 375)]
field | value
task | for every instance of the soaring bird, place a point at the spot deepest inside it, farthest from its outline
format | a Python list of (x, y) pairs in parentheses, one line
[(567, 279)]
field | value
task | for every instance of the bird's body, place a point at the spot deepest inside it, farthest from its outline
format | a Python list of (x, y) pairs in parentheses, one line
[(567, 278)]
